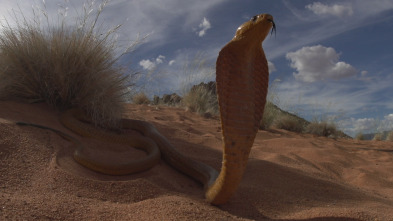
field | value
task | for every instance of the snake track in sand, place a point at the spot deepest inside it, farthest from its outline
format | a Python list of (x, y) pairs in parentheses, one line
[(242, 80)]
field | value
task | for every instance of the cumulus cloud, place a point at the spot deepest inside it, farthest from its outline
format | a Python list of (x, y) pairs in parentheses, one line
[(160, 59), (387, 123), (203, 27), (272, 67), (353, 126), (362, 125), (151, 64), (317, 63), (171, 62), (336, 9), (147, 64)]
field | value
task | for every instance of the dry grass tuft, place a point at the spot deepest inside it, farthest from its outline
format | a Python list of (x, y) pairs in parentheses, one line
[(359, 136), (270, 113), (202, 101), (65, 66), (288, 122), (140, 98), (389, 137), (378, 137), (322, 129)]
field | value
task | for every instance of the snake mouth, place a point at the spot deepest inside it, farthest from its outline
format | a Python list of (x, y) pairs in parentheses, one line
[(274, 27)]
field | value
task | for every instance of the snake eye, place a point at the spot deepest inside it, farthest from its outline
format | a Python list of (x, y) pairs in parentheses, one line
[(254, 18)]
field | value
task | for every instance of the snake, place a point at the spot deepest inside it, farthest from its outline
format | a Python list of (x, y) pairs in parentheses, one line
[(242, 77)]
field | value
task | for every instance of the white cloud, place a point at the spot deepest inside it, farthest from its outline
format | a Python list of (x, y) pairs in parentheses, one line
[(336, 9), (342, 99), (319, 63), (352, 126), (389, 117), (151, 64), (160, 59), (272, 67), (364, 125), (204, 26), (387, 123), (336, 96), (171, 62), (299, 23), (138, 18), (147, 64)]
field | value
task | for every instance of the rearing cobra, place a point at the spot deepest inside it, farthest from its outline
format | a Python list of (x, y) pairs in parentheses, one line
[(242, 80)]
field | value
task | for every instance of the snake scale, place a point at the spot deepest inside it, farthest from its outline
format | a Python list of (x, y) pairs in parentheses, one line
[(242, 77)]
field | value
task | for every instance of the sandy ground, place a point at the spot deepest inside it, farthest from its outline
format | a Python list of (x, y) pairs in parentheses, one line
[(289, 176)]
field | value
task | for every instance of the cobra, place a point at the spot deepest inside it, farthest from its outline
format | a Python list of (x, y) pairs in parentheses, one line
[(242, 77)]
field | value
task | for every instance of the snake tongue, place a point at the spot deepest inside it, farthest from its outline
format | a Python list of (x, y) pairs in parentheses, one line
[(273, 28)]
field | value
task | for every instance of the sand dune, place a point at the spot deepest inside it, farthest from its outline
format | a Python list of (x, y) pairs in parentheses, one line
[(289, 176)]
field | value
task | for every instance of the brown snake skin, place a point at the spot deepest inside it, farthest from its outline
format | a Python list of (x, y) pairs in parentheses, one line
[(242, 80)]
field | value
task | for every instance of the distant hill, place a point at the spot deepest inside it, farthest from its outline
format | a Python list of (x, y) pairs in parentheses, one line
[(210, 89)]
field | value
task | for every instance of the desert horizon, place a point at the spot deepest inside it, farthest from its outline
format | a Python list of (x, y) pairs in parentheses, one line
[(289, 176), (75, 107)]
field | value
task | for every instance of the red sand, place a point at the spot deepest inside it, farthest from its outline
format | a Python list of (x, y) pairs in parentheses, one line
[(289, 176)]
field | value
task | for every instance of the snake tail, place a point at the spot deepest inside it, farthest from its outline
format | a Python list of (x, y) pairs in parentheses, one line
[(74, 120)]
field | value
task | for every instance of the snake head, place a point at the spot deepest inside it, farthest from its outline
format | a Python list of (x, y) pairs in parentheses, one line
[(257, 28)]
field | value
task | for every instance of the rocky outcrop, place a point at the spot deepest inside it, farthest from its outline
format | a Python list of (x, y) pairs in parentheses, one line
[(175, 99), (210, 86), (167, 99)]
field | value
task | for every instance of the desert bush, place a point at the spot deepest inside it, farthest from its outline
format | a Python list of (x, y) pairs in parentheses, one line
[(64, 65), (288, 122), (197, 97), (389, 137), (321, 129), (269, 114), (359, 136), (378, 137), (202, 101), (171, 99), (140, 98)]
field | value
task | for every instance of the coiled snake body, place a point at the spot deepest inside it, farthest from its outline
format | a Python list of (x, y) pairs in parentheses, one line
[(242, 82)]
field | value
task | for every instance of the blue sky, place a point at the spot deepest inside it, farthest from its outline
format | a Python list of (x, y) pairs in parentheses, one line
[(329, 59)]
